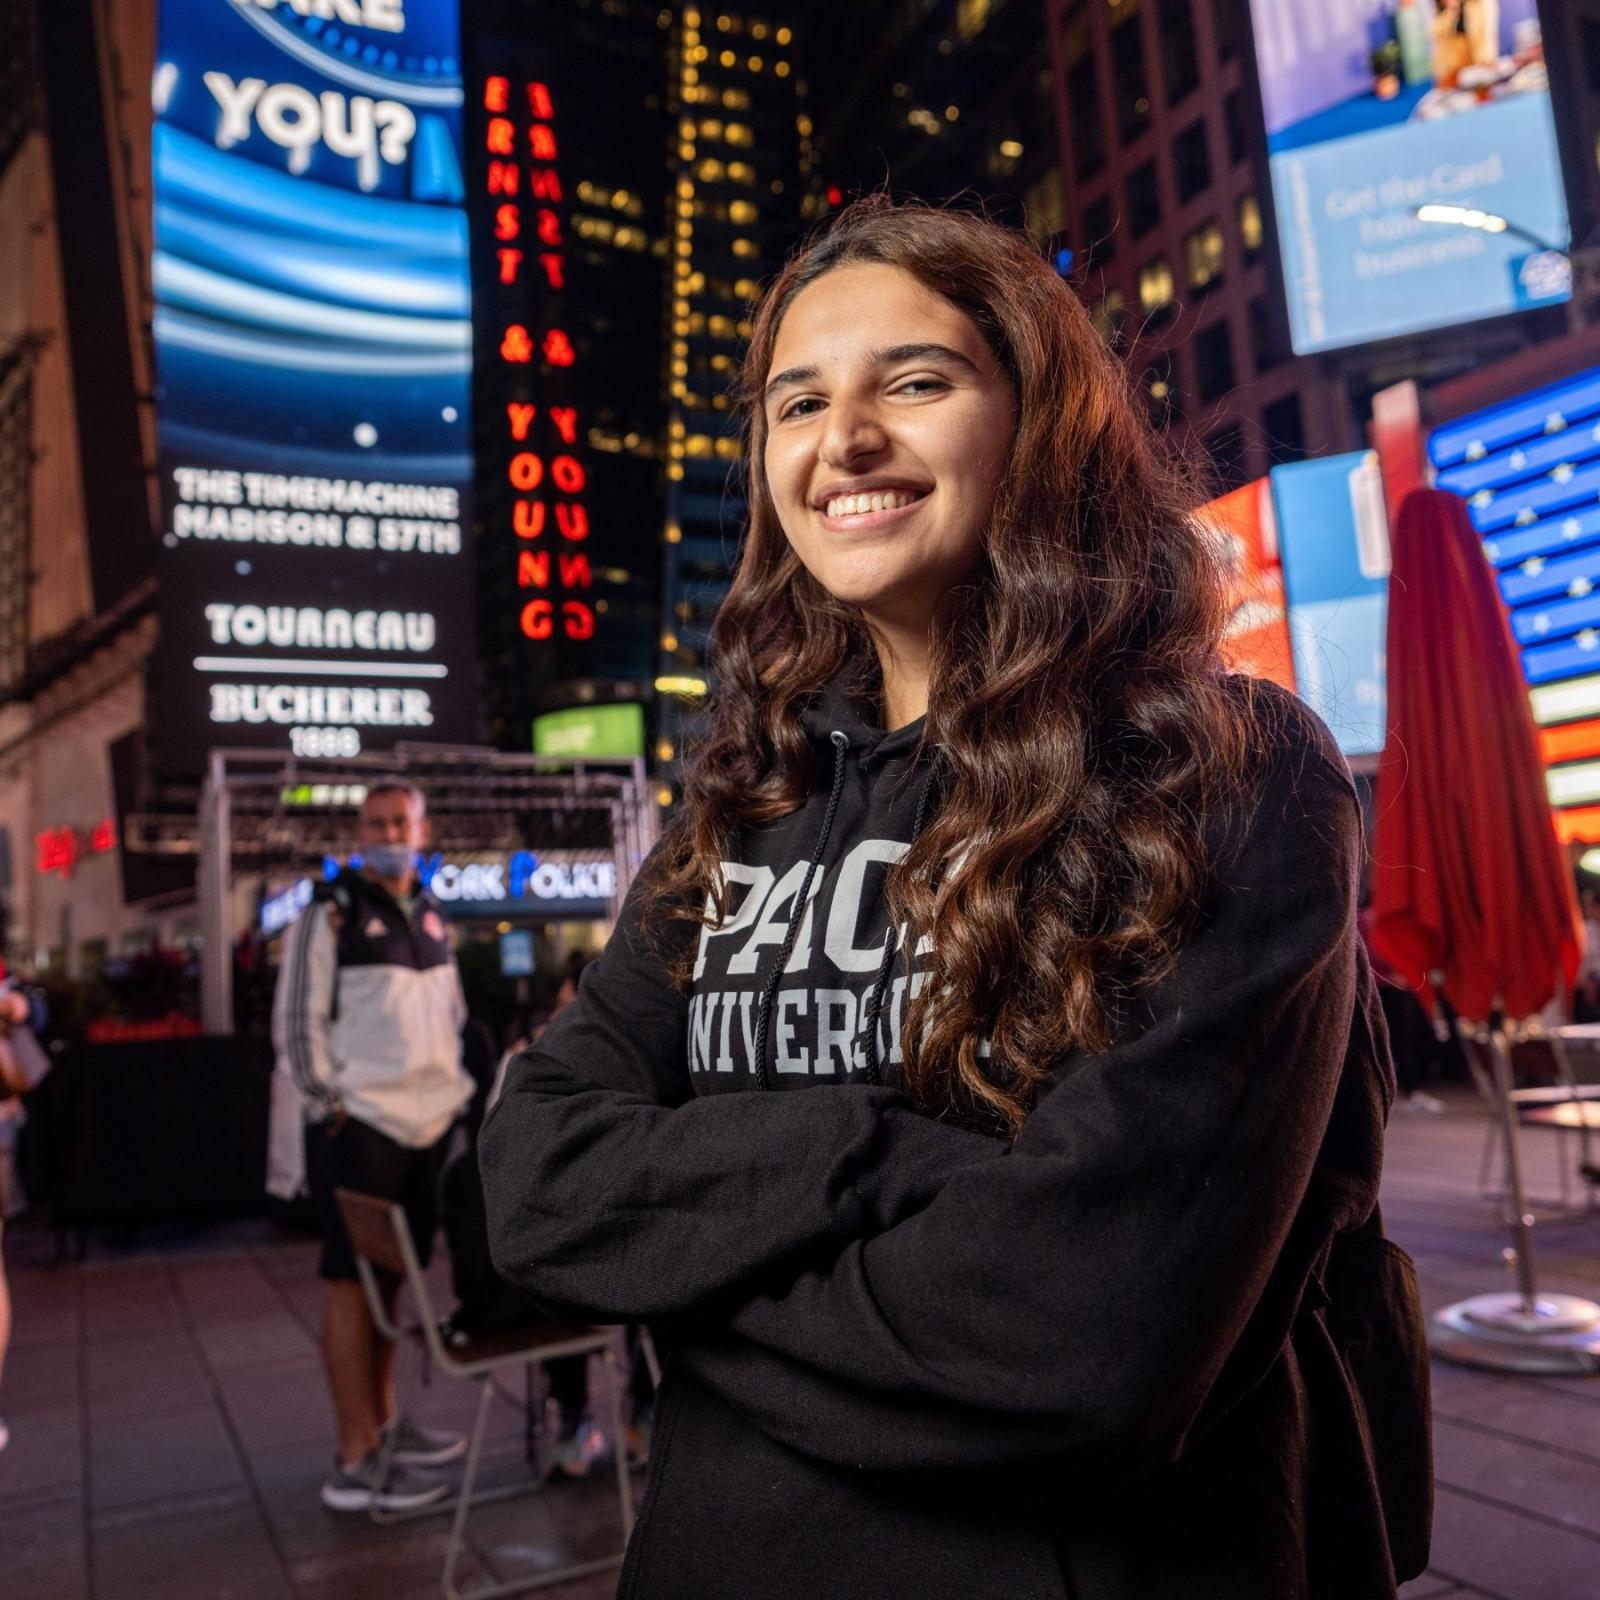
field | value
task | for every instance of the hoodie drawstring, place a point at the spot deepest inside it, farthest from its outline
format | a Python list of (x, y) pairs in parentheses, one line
[(841, 746), (886, 966)]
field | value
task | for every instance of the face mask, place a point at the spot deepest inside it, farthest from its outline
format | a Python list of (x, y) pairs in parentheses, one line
[(388, 860)]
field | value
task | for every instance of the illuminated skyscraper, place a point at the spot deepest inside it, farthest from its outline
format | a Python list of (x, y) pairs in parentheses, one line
[(741, 151), (939, 101)]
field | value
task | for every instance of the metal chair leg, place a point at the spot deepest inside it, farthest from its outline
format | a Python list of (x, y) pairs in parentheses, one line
[(652, 1361), (469, 1475), (619, 1443)]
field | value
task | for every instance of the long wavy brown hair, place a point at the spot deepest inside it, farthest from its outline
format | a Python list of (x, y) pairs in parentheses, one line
[(1080, 719)]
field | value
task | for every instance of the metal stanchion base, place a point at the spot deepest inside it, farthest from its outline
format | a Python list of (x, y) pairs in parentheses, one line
[(1496, 1331)]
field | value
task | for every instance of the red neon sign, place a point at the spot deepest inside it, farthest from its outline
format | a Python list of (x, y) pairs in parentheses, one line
[(543, 461), (59, 850)]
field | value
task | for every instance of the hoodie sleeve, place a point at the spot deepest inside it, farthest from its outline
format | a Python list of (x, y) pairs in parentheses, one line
[(615, 1195), (1080, 1297)]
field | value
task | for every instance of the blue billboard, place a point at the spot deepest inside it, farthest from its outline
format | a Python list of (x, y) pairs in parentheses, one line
[(1529, 471), (1333, 531), (314, 356), (1414, 169)]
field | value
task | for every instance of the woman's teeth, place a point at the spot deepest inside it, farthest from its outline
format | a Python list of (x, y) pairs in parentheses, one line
[(853, 505)]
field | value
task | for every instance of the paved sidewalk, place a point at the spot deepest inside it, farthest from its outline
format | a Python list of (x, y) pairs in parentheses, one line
[(170, 1427), (170, 1430)]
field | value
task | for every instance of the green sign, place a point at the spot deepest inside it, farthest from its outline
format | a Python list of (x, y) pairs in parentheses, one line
[(590, 732)]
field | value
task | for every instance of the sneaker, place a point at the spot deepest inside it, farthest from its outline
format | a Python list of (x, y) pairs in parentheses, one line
[(416, 1446), (358, 1488), (1420, 1104), (577, 1449)]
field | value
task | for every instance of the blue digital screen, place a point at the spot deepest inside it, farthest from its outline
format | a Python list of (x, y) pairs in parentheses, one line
[(1530, 473), (1334, 537), (313, 343), (1459, 130)]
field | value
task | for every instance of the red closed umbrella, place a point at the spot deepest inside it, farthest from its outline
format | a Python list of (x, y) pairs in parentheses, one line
[(1470, 889), (1468, 877)]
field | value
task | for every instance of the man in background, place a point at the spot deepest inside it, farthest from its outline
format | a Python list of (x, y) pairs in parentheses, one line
[(367, 1026)]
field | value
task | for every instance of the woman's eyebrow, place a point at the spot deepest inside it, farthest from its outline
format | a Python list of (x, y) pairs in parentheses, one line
[(922, 352), (792, 377)]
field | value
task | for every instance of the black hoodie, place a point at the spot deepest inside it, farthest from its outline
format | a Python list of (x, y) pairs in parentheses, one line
[(1154, 1349)]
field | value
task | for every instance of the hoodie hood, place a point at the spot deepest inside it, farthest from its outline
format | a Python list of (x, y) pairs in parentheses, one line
[(840, 709)]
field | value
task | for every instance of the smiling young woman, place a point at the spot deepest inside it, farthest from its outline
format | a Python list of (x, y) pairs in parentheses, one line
[(1069, 1282)]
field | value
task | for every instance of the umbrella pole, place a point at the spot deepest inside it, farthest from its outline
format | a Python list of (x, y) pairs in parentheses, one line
[(1519, 1218), (1525, 1331)]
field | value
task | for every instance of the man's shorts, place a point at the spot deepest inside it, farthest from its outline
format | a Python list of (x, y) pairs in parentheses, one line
[(358, 1157)]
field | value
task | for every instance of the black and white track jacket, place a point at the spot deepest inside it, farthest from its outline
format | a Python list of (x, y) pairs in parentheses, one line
[(367, 1019)]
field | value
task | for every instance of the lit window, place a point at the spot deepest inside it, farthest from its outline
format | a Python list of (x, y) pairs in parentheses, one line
[(1250, 223), (727, 58), (754, 63), (747, 289), (782, 69), (1204, 253), (710, 171), (738, 133), (784, 35), (710, 128), (742, 212), (741, 172), (1156, 287), (699, 444), (1106, 315), (745, 248)]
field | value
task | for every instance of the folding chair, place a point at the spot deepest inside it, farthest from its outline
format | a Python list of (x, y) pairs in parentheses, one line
[(1559, 1102), (382, 1243)]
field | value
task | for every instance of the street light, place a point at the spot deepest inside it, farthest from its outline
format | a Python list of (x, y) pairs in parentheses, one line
[(1546, 274), (1484, 222)]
